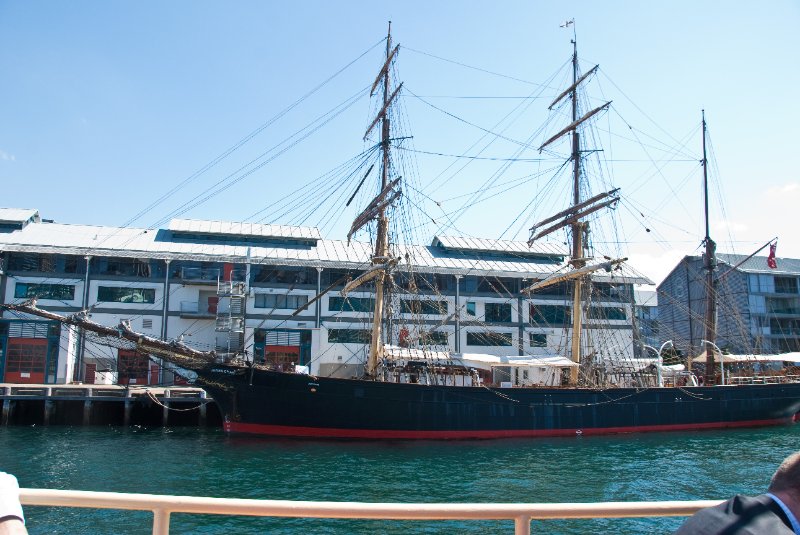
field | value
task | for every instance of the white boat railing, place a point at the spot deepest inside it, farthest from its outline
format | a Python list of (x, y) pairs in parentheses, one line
[(520, 513)]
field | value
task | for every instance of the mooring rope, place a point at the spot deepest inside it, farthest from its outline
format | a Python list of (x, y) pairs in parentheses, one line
[(157, 402)]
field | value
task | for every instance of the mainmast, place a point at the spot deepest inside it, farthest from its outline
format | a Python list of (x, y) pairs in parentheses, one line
[(709, 264), (573, 217), (578, 227)]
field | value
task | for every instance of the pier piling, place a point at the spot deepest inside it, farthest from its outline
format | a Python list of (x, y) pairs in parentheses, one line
[(77, 404)]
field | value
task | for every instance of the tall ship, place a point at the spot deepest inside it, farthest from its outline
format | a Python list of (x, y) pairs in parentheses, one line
[(406, 390)]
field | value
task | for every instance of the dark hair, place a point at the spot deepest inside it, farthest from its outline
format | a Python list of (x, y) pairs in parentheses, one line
[(787, 476)]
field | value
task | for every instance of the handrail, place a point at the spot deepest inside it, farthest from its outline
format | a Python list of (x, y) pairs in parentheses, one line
[(521, 513)]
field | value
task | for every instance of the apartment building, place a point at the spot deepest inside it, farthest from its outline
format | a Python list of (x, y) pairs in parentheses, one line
[(758, 307)]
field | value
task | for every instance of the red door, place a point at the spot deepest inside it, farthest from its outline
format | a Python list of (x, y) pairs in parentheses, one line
[(227, 271), (25, 360), (89, 377), (155, 371), (132, 367), (282, 357)]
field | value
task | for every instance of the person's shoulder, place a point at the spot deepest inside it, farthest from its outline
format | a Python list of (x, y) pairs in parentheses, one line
[(741, 515)]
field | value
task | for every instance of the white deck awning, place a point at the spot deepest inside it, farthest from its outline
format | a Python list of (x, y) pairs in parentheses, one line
[(477, 360), (725, 358)]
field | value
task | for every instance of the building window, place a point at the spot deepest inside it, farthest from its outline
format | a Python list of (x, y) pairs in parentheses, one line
[(488, 338), (559, 289), (783, 305), (340, 277), (435, 338), (423, 306), (70, 264), (286, 275), (497, 285), (351, 304), (783, 326), (289, 302), (128, 267), (423, 282), (607, 313), (611, 290), (785, 285), (349, 336), (471, 308), (538, 339), (32, 262), (549, 314), (125, 294), (60, 292), (498, 312)]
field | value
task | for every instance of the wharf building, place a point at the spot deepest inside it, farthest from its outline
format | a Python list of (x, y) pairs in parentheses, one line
[(251, 289), (758, 308)]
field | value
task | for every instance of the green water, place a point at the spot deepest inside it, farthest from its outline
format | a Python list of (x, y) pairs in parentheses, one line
[(672, 466)]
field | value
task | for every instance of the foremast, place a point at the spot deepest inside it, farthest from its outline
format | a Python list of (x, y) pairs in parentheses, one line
[(381, 255), (376, 210)]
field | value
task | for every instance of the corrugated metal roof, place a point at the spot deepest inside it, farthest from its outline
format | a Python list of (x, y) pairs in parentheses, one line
[(234, 228), (758, 264), (143, 243), (18, 215)]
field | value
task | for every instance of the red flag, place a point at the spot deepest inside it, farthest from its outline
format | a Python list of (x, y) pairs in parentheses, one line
[(771, 262)]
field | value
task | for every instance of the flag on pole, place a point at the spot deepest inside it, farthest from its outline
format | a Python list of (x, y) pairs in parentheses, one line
[(771, 262)]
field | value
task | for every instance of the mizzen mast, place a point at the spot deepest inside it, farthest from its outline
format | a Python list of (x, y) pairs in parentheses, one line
[(709, 264)]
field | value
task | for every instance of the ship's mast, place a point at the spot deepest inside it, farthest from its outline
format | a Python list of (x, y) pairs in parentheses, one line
[(574, 216), (578, 227), (381, 255), (709, 264)]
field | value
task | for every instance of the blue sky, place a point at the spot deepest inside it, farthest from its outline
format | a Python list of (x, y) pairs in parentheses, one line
[(107, 106)]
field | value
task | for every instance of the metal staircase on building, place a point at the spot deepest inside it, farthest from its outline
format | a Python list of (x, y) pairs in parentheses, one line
[(230, 316)]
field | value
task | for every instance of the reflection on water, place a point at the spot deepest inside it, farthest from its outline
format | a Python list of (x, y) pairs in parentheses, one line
[(671, 466)]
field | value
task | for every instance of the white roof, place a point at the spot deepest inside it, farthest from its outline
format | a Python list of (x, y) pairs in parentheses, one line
[(17, 215), (59, 238), (243, 229)]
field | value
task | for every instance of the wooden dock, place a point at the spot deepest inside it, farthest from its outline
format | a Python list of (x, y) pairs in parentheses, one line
[(83, 404)]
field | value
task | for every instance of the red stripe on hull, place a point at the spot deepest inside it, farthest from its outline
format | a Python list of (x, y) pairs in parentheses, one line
[(402, 434)]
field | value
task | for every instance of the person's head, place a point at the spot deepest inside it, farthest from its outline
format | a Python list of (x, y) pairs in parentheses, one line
[(786, 479)]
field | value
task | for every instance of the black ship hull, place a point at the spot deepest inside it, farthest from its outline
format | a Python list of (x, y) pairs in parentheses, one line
[(273, 403)]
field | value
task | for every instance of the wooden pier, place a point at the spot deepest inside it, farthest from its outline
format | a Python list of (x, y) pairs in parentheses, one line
[(82, 404)]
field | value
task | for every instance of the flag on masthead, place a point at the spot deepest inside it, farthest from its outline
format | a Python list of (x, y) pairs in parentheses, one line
[(771, 261)]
